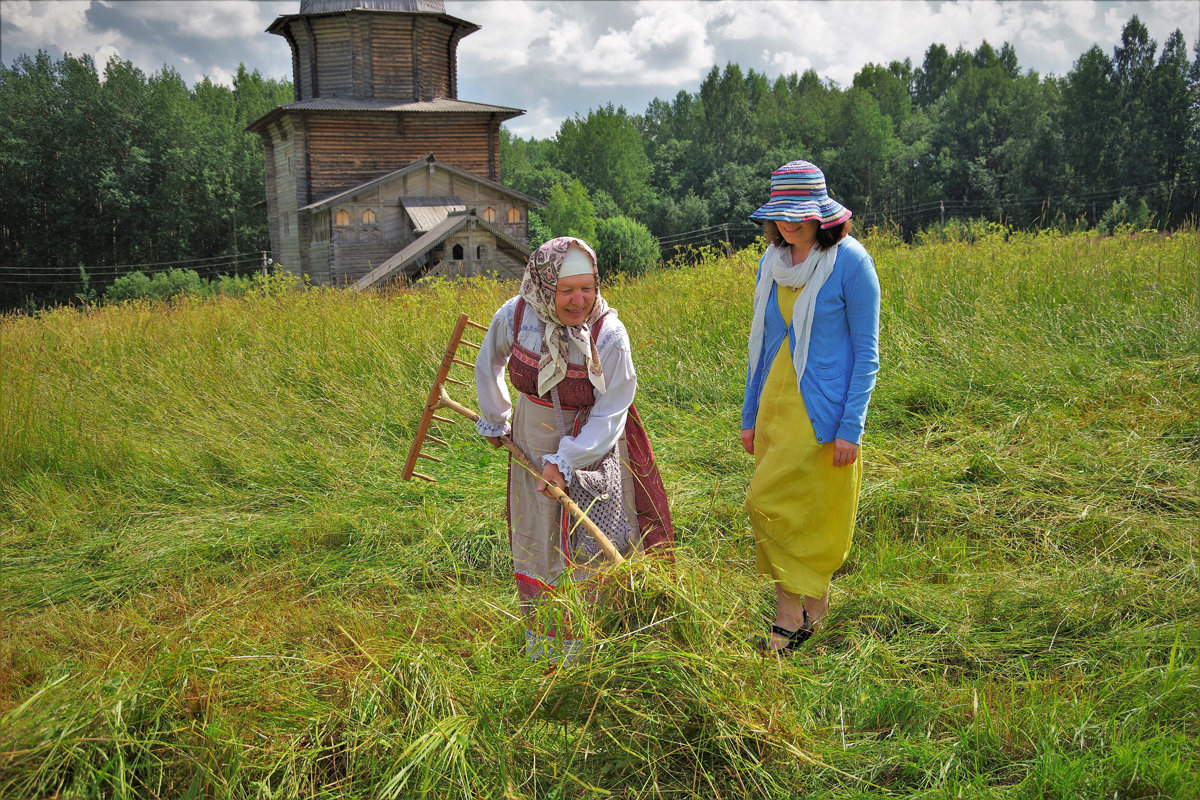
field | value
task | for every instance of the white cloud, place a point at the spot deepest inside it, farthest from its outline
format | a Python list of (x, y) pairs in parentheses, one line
[(33, 22), (503, 44), (104, 53), (215, 19), (32, 26), (537, 122), (780, 63), (666, 44), (221, 77), (734, 21)]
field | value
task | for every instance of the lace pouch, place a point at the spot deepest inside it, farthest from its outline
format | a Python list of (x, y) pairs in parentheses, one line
[(598, 491)]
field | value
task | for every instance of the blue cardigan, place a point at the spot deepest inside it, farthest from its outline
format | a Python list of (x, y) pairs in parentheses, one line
[(843, 351)]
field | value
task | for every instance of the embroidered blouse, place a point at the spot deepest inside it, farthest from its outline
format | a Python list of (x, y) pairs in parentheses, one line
[(607, 418)]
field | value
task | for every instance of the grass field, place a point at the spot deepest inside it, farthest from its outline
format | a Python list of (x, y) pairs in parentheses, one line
[(214, 584)]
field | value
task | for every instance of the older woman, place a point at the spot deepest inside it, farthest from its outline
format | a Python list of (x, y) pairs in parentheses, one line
[(814, 352), (568, 357)]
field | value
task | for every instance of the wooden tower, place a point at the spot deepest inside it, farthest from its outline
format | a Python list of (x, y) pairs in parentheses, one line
[(376, 100)]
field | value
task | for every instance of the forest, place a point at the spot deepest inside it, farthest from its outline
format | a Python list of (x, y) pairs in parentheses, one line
[(102, 175)]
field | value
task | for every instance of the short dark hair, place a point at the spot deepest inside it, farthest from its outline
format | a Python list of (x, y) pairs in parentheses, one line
[(826, 237)]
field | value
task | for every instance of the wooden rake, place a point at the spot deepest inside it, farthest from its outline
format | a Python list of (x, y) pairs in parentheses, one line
[(439, 399)]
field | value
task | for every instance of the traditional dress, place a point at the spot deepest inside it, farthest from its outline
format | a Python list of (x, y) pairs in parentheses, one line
[(593, 385)]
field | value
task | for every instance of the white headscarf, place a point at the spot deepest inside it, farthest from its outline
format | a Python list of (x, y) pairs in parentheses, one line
[(811, 273)]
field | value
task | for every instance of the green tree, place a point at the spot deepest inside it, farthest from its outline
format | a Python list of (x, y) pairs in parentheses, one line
[(889, 86), (777, 116), (726, 133), (624, 245), (814, 112), (1090, 123), (29, 115), (539, 182), (1172, 125), (975, 120), (604, 151), (864, 160), (571, 213), (672, 217), (1133, 69), (525, 165), (937, 74), (125, 170)]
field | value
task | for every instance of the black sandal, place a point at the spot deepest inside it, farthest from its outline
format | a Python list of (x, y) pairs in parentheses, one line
[(794, 638)]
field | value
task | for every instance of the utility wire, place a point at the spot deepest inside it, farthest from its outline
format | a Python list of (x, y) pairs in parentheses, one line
[(178, 263), (34, 275)]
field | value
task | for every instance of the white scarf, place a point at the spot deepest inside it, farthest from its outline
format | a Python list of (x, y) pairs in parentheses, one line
[(811, 273)]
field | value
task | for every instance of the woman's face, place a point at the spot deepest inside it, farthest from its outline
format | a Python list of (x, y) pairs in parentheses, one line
[(574, 298), (798, 232)]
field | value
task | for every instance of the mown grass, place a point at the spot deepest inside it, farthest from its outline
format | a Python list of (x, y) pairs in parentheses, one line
[(213, 582)]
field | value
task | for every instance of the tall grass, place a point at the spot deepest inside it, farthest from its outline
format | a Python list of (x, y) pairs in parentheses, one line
[(213, 582)]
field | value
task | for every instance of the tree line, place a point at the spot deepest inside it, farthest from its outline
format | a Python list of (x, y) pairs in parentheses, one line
[(99, 177), (963, 135)]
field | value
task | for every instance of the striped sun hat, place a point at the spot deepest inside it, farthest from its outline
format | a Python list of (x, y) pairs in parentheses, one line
[(798, 194)]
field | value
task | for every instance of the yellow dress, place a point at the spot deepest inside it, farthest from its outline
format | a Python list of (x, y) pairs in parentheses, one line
[(801, 507)]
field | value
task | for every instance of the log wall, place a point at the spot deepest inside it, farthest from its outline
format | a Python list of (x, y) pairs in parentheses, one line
[(347, 148), (374, 56), (354, 259), (285, 165)]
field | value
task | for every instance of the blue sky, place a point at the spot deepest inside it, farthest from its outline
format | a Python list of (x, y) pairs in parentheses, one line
[(559, 59)]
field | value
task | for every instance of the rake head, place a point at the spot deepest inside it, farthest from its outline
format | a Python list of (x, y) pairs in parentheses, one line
[(438, 399)]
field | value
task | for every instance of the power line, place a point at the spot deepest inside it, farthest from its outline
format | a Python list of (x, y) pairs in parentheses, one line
[(65, 272), (177, 263), (953, 207), (46, 276), (1027, 201)]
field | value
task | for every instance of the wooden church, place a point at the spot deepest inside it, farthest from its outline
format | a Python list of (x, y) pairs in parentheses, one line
[(378, 172)]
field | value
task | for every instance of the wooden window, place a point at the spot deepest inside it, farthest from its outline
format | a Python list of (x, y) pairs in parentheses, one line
[(489, 214), (457, 252), (342, 218), (481, 252), (514, 215), (368, 217)]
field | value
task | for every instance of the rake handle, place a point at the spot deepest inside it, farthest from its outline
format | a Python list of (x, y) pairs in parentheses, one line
[(558, 494)]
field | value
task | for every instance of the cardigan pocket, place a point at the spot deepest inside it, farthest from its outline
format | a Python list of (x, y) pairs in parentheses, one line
[(833, 387), (828, 372)]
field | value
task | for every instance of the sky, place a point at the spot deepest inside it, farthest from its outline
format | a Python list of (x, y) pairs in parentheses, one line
[(557, 59)]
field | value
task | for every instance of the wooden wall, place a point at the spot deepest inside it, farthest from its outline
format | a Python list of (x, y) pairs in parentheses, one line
[(438, 182), (316, 232), (380, 56), (310, 156), (354, 249), (285, 170), (494, 261), (349, 148), (353, 259)]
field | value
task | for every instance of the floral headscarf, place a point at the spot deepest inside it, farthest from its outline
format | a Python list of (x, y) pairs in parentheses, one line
[(538, 288)]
